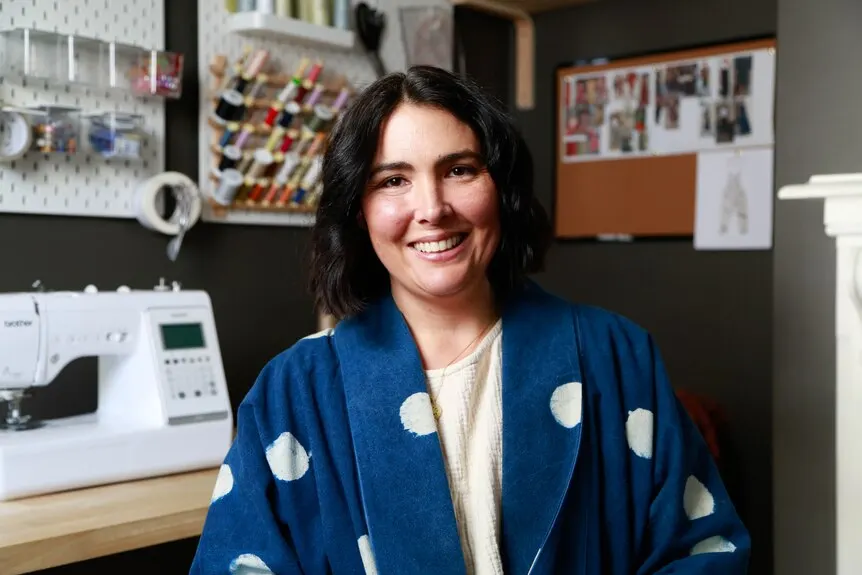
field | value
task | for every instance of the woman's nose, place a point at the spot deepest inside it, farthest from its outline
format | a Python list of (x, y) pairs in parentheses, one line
[(432, 205)]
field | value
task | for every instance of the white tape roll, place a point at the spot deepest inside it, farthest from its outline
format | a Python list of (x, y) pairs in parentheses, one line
[(16, 135), (147, 197)]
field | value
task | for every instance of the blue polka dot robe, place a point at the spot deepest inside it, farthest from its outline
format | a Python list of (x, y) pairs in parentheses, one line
[(337, 467)]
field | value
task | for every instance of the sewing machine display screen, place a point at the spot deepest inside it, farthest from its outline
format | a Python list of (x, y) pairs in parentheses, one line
[(182, 336)]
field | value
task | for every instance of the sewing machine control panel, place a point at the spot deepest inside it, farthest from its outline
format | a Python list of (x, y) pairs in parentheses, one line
[(188, 360), (188, 373)]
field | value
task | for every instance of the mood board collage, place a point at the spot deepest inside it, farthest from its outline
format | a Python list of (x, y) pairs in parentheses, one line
[(668, 108)]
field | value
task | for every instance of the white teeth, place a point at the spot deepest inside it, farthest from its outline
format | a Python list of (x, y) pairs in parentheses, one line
[(441, 246)]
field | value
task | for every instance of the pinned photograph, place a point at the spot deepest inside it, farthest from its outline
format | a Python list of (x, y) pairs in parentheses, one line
[(580, 133), (707, 123), (644, 89), (742, 68), (597, 116), (619, 82), (743, 125), (725, 125), (724, 79), (671, 114), (643, 141), (619, 132), (703, 89), (682, 80), (593, 91), (641, 129)]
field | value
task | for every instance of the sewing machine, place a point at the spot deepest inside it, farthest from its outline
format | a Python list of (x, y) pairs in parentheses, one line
[(163, 405)]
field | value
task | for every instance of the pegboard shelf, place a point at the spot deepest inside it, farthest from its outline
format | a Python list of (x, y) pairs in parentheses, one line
[(64, 60), (295, 49), (240, 213), (85, 183), (270, 27)]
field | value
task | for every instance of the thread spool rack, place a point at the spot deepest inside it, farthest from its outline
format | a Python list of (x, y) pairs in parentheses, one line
[(266, 139)]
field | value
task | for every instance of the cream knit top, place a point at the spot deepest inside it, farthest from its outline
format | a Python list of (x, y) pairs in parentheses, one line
[(469, 394)]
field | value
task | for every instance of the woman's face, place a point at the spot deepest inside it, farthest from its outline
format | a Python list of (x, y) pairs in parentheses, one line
[(430, 205)]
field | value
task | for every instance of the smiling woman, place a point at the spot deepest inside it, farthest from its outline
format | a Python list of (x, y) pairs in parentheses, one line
[(459, 419)]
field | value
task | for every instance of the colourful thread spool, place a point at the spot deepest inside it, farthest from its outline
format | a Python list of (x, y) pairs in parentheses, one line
[(229, 185), (230, 158), (229, 108)]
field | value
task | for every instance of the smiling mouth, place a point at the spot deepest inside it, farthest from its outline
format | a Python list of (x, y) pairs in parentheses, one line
[(439, 246)]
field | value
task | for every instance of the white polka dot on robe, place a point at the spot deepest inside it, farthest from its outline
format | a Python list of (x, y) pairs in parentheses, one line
[(716, 544), (249, 564), (287, 458), (416, 414), (697, 499), (223, 483), (566, 402), (367, 555), (639, 432)]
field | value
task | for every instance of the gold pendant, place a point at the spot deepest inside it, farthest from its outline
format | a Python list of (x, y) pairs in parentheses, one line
[(435, 409)]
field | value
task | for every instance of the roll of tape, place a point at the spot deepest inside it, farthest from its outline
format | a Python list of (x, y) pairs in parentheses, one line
[(147, 196), (16, 135)]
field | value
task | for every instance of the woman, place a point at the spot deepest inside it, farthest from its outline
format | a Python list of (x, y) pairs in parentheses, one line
[(459, 419)]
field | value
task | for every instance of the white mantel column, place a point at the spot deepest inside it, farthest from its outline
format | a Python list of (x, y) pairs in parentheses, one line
[(842, 217)]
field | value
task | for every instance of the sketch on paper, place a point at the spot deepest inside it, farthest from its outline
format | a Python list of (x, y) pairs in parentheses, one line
[(734, 199)]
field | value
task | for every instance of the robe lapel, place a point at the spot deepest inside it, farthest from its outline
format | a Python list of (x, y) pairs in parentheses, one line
[(542, 411), (405, 491)]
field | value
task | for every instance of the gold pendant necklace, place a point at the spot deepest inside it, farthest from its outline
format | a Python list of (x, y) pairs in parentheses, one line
[(436, 410)]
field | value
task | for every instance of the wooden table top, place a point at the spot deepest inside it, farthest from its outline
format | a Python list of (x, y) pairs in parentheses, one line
[(61, 528)]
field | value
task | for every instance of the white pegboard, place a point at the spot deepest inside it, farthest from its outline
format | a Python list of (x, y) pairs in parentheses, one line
[(83, 184), (214, 37)]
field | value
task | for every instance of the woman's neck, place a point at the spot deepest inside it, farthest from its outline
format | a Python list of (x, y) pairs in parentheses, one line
[(448, 330)]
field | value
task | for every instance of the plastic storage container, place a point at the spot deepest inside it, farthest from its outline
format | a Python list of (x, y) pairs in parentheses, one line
[(56, 129), (117, 135)]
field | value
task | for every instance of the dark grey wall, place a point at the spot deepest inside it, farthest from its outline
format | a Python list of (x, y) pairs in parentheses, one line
[(712, 343), (819, 132), (710, 312)]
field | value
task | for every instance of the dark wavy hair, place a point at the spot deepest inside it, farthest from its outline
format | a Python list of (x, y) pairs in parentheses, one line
[(345, 271)]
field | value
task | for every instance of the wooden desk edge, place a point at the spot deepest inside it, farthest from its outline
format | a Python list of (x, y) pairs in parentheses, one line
[(75, 547), (66, 548)]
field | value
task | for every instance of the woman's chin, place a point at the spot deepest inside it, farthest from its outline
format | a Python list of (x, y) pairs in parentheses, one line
[(445, 287)]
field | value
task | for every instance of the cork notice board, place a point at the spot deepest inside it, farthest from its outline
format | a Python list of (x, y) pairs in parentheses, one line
[(629, 133)]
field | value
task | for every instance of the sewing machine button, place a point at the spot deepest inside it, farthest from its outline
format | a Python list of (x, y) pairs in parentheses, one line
[(116, 336), (123, 289), (91, 289)]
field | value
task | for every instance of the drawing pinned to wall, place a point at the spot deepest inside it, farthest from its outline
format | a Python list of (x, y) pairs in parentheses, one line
[(734, 200)]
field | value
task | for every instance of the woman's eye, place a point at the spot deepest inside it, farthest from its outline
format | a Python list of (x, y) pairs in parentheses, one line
[(458, 171), (393, 181)]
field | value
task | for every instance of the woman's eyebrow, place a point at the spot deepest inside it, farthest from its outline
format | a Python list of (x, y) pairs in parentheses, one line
[(442, 160)]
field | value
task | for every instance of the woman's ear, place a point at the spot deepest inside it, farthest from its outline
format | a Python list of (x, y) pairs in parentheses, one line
[(360, 220)]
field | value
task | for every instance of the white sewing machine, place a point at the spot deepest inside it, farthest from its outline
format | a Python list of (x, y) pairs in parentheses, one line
[(163, 405)]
